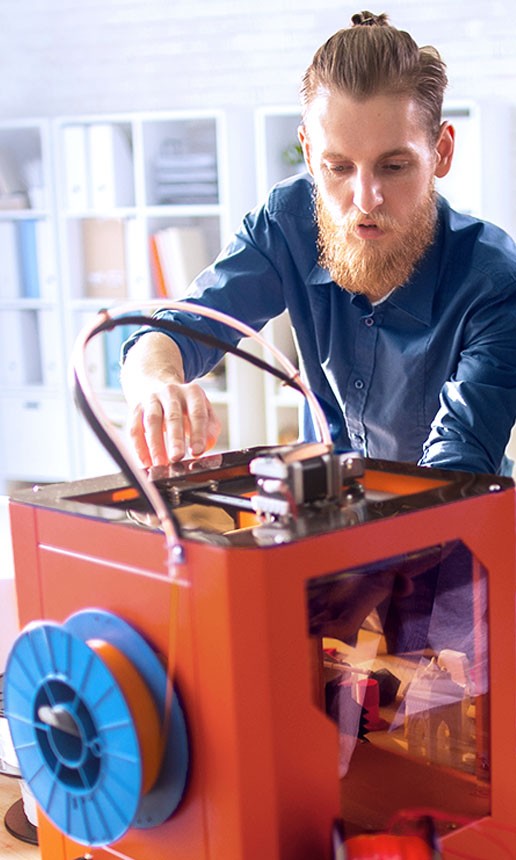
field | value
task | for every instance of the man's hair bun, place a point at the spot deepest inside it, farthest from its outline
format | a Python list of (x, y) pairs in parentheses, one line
[(367, 19)]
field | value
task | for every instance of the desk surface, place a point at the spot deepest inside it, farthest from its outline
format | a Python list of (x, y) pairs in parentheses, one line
[(12, 848)]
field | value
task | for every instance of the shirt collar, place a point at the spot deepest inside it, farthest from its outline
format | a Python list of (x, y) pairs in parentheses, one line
[(416, 296)]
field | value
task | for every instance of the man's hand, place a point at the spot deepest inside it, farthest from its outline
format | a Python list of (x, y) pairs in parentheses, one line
[(168, 416)]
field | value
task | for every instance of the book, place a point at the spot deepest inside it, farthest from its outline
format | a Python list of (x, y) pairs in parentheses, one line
[(185, 177), (30, 347), (28, 258), (181, 254), (113, 341), (187, 192), (94, 361), (110, 165), (46, 256), (49, 340), (75, 159), (136, 260), (103, 251), (9, 270), (158, 275), (21, 365)]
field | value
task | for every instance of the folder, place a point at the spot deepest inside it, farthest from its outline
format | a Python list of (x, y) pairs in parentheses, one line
[(46, 255), (111, 166), (21, 365), (75, 167), (50, 340), (10, 287), (136, 259), (28, 259)]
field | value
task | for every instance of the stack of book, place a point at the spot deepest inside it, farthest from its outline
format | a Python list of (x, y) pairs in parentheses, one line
[(185, 177), (178, 255), (27, 269)]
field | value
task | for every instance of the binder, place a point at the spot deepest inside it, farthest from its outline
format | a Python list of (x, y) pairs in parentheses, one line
[(9, 270), (111, 166), (113, 341), (98, 166), (136, 259), (94, 355), (75, 167), (50, 339), (21, 364), (28, 258), (46, 255)]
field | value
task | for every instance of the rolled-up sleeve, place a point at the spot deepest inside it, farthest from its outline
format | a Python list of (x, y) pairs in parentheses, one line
[(243, 282)]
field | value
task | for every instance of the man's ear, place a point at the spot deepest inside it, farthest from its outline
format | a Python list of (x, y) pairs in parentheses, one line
[(305, 146), (444, 149)]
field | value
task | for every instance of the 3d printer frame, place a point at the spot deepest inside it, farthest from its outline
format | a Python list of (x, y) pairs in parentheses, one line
[(263, 778)]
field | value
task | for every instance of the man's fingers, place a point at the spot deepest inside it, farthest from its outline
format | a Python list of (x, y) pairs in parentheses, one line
[(153, 428), (137, 435), (197, 419), (170, 421), (146, 432), (173, 422)]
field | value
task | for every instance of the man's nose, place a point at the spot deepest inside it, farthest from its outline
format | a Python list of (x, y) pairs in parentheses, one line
[(367, 193)]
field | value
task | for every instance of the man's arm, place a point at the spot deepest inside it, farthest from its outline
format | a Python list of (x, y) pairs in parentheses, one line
[(247, 282), (477, 404), (167, 415)]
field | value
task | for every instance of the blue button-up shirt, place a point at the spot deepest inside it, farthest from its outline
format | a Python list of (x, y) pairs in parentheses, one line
[(428, 375)]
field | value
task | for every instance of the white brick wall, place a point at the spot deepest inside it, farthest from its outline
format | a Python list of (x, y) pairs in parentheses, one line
[(60, 56)]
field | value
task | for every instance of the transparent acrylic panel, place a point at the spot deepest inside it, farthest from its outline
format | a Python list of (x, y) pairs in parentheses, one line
[(405, 677)]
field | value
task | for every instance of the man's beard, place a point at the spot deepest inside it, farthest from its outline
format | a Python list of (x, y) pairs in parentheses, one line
[(363, 266)]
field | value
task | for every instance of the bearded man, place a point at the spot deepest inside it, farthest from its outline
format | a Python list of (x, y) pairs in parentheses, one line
[(404, 311)]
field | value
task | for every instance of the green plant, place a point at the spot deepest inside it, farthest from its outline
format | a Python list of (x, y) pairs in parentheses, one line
[(293, 154)]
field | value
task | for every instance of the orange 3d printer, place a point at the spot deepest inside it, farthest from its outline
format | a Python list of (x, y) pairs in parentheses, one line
[(280, 653)]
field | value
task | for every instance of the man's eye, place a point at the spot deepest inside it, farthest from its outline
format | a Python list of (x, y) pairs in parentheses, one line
[(394, 166), (338, 168)]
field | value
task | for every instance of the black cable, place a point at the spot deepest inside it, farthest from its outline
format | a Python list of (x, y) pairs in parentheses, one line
[(107, 324), (174, 327)]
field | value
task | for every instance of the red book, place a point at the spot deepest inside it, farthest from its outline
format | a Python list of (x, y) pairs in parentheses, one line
[(157, 269)]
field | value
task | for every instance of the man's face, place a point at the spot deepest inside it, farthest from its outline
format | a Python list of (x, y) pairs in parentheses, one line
[(374, 166)]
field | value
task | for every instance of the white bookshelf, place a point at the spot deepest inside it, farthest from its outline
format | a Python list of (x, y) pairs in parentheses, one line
[(53, 188), (106, 184), (34, 416), (174, 175), (276, 133)]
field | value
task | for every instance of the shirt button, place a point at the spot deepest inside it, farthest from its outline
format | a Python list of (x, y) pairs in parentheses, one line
[(368, 321), (359, 384)]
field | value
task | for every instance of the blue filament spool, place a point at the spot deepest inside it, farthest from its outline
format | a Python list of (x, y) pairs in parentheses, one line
[(74, 734)]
